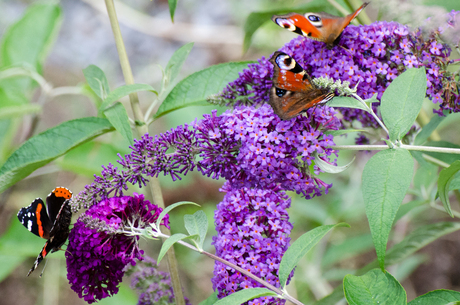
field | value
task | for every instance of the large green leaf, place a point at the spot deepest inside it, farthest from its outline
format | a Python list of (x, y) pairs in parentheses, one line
[(402, 100), (48, 145), (300, 247), (374, 287), (195, 88), (29, 39), (244, 295), (118, 117), (437, 297), (386, 179)]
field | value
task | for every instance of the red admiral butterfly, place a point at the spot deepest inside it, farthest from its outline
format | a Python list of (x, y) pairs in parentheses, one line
[(51, 224), (293, 91), (318, 26)]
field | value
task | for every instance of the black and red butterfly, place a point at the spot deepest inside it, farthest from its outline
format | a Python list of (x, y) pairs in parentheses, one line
[(318, 26), (292, 91), (51, 223)]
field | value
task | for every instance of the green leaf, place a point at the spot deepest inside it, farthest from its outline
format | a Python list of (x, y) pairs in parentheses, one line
[(244, 295), (122, 91), (444, 180), (97, 81), (197, 224), (428, 129), (118, 117), (169, 208), (257, 19), (347, 249), (455, 182), (211, 300), (48, 145), (330, 168), (19, 110), (172, 8), (402, 100), (438, 297), (171, 241), (407, 207), (176, 61), (418, 239), (375, 287), (301, 247), (29, 39), (340, 132), (195, 88), (386, 179), (346, 102)]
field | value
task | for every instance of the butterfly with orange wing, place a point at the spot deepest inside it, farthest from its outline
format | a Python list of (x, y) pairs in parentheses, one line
[(318, 26), (292, 91)]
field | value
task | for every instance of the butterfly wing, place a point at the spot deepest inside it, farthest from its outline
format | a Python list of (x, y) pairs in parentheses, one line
[(318, 26), (45, 250), (55, 200), (35, 218), (292, 91)]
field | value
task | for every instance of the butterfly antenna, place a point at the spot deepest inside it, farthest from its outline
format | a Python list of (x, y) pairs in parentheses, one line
[(46, 262)]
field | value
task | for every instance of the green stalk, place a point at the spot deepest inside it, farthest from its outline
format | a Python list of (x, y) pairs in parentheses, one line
[(142, 129)]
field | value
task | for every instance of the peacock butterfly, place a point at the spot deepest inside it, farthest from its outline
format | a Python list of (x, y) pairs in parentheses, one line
[(318, 26), (292, 91)]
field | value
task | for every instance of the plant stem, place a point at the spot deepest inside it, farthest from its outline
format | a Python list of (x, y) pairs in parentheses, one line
[(408, 147), (142, 129), (239, 269), (371, 112)]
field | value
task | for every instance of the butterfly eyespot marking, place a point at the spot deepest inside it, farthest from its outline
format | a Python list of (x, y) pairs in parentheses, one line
[(314, 19), (286, 23), (285, 62), (280, 92)]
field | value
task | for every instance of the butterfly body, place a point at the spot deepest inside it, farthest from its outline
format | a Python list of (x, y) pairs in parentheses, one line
[(292, 91), (50, 222), (318, 26)]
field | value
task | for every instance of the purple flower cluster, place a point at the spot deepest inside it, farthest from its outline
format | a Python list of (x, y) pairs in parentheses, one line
[(253, 232), (153, 286), (371, 55), (99, 247), (248, 147)]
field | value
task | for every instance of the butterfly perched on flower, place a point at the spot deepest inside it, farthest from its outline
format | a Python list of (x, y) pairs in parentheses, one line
[(318, 26), (292, 91), (50, 222)]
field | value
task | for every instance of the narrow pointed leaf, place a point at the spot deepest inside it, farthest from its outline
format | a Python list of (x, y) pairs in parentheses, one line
[(428, 129), (122, 91), (169, 208), (445, 178), (438, 297), (49, 145), (118, 117), (330, 168), (374, 287), (172, 8), (97, 81), (346, 102), (386, 179), (300, 247), (197, 224), (176, 61), (402, 100), (195, 88), (168, 243), (211, 300), (245, 295)]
